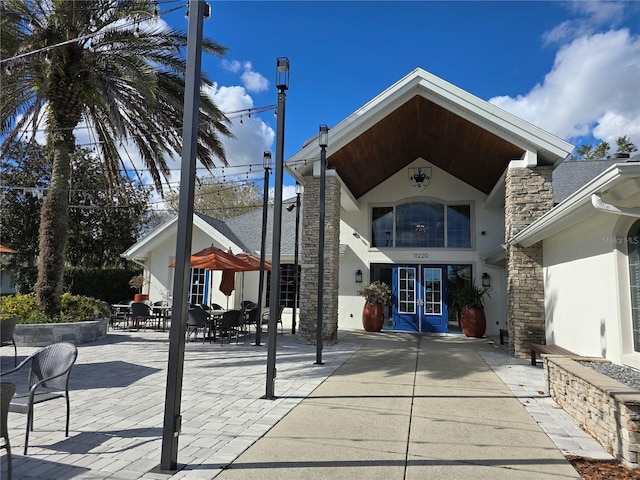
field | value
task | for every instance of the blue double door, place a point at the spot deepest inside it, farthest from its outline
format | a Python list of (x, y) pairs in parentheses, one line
[(419, 298)]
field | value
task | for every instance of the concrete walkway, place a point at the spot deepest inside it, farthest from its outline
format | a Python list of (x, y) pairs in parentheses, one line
[(387, 405)]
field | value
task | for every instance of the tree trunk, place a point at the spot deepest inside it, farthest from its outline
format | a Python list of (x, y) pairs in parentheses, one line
[(54, 224), (65, 110)]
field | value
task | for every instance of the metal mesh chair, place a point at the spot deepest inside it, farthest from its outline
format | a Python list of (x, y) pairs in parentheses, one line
[(7, 390), (7, 327), (266, 315), (140, 314), (197, 319), (49, 372), (229, 324)]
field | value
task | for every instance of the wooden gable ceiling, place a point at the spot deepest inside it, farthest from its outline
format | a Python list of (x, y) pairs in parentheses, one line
[(420, 128)]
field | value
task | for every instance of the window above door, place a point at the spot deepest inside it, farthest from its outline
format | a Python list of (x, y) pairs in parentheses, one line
[(421, 224)]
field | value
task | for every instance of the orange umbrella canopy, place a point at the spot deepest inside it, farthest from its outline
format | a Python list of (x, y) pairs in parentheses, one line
[(213, 258), (4, 249), (253, 261)]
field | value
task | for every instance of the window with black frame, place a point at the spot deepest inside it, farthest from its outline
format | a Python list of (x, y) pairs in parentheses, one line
[(421, 224), (287, 285), (196, 292)]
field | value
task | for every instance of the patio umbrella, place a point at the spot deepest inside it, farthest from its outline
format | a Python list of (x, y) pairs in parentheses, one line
[(253, 261), (4, 249), (213, 258), (228, 282)]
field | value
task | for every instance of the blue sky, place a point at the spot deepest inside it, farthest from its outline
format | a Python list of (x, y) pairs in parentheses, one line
[(572, 68)]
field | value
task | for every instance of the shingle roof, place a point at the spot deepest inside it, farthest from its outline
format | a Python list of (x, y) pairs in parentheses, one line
[(223, 228), (568, 177), (246, 230)]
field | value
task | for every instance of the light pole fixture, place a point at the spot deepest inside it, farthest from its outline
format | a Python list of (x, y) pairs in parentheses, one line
[(266, 163), (282, 82), (486, 280), (295, 261), (323, 141), (282, 75)]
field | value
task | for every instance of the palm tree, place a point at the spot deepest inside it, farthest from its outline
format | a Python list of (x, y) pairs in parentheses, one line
[(105, 65)]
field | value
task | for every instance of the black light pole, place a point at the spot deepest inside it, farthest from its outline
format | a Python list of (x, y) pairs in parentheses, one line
[(295, 267), (266, 162), (282, 83), (175, 364), (323, 140)]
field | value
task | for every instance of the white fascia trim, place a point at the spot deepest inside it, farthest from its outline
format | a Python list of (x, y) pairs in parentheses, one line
[(495, 256), (574, 208), (503, 122), (495, 199), (141, 249), (528, 160), (487, 116)]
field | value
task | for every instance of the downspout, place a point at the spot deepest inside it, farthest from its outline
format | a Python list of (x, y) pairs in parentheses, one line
[(597, 202)]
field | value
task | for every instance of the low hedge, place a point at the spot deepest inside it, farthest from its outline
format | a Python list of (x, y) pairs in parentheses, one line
[(75, 308)]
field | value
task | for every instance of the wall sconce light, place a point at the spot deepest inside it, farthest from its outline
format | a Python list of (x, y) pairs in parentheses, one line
[(358, 276), (486, 280)]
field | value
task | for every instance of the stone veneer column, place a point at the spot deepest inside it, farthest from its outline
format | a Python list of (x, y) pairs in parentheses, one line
[(528, 195), (309, 260)]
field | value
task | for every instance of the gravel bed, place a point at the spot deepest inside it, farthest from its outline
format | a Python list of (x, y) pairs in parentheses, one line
[(627, 375)]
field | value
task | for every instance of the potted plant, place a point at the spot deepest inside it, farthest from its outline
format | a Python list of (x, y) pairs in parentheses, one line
[(376, 294), (137, 282), (468, 300)]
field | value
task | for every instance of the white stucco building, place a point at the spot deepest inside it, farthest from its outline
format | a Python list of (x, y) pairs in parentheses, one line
[(425, 185)]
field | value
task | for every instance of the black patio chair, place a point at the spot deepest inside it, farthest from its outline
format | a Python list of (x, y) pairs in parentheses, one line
[(249, 317), (50, 368), (7, 328), (161, 312), (140, 314), (229, 325), (266, 315), (197, 319), (7, 390)]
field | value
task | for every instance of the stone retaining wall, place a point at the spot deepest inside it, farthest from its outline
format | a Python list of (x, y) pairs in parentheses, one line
[(605, 408), (42, 334)]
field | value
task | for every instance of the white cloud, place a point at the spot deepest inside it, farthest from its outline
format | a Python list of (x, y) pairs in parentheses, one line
[(593, 88), (252, 81), (231, 65), (252, 137), (590, 16)]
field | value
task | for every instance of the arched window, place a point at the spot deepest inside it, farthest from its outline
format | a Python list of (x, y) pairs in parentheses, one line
[(633, 247), (421, 224)]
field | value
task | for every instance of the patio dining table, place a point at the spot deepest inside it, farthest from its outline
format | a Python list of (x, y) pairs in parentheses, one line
[(214, 317), (162, 313)]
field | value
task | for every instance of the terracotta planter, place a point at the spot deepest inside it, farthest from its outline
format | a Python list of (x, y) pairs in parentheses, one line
[(372, 316), (473, 322), (140, 297)]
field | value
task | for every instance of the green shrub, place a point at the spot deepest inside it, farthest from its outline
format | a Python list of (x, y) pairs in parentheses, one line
[(78, 309), (74, 309)]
